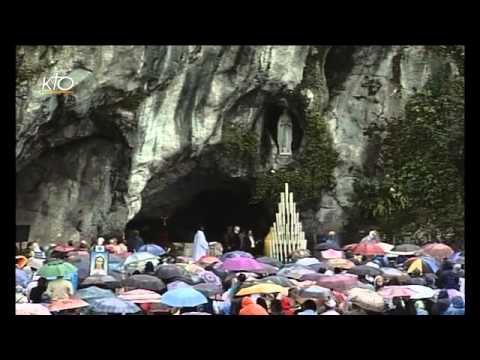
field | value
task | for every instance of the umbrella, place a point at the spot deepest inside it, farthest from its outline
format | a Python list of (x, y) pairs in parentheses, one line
[(396, 291), (367, 299), (177, 284), (332, 254), (437, 250), (114, 305), (31, 309), (269, 261), (208, 260), (183, 297), (409, 248), (93, 292), (210, 278), (278, 279), (142, 281), (418, 264), (242, 264), (66, 304), (338, 282), (196, 313), (35, 263), (192, 268), (22, 278), (233, 254), (349, 246), (263, 288), (432, 262), (421, 292), (266, 270), (169, 271), (191, 279), (317, 267), (300, 253), (63, 248), (326, 246), (140, 296), (105, 280), (389, 272), (183, 259), (414, 281), (340, 263), (152, 249), (458, 258), (312, 277), (385, 246), (451, 293), (295, 272), (137, 261), (315, 291), (21, 261), (364, 270), (368, 249), (307, 261), (56, 268), (209, 289)]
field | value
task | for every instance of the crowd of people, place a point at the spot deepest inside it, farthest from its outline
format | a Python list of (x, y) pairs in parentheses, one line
[(335, 281)]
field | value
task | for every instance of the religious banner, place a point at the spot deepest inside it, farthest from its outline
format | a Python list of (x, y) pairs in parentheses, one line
[(99, 262)]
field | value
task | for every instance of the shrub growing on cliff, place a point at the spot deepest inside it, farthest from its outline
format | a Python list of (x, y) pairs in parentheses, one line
[(421, 162)]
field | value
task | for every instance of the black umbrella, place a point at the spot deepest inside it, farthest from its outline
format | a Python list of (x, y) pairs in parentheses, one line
[(147, 282), (208, 289), (103, 281), (269, 261), (417, 281), (365, 270), (169, 271), (325, 246), (190, 279)]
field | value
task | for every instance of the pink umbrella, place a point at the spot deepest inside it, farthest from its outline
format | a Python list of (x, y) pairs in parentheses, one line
[(339, 282), (140, 296), (368, 249), (396, 291), (31, 309), (242, 264), (332, 254), (63, 248), (437, 250)]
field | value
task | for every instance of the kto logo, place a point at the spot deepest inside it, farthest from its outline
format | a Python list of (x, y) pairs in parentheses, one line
[(58, 85)]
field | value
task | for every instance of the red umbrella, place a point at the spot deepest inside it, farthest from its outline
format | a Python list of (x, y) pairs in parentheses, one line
[(66, 304), (350, 246), (339, 282), (63, 248), (396, 291), (368, 248), (437, 250), (207, 260)]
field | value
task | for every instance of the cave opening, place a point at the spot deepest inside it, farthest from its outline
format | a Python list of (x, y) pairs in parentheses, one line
[(338, 65), (222, 205)]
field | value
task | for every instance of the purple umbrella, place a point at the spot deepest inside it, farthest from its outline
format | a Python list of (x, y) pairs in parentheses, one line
[(234, 254), (210, 278), (242, 264)]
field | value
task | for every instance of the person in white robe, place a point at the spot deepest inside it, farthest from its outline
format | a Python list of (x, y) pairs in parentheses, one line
[(200, 245)]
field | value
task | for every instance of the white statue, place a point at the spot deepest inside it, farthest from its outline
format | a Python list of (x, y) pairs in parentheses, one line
[(284, 135)]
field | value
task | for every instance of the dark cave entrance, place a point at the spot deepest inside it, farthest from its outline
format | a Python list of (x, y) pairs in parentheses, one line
[(215, 208)]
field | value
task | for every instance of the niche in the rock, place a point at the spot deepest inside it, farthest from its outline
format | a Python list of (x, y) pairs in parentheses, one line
[(272, 114), (338, 64)]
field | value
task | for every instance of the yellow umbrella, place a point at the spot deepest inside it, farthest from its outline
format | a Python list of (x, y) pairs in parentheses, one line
[(264, 288), (416, 265)]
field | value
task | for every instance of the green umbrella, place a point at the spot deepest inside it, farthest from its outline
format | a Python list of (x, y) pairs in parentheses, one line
[(56, 268)]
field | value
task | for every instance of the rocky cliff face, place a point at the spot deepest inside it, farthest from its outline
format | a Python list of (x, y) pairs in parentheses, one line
[(139, 136)]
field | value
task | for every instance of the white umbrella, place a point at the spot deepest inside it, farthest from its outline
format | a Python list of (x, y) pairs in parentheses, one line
[(307, 261), (421, 292)]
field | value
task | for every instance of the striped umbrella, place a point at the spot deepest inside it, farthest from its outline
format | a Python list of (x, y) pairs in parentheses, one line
[(114, 305), (140, 296)]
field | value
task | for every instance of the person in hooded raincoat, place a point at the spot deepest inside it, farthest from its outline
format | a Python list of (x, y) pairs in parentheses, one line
[(200, 245)]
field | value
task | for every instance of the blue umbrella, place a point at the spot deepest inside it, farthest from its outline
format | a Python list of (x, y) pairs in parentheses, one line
[(113, 305), (236, 253), (152, 249), (21, 278), (94, 292), (183, 297), (431, 262)]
